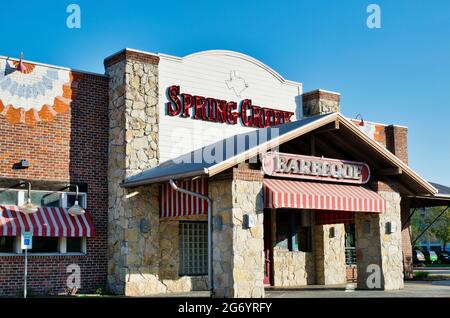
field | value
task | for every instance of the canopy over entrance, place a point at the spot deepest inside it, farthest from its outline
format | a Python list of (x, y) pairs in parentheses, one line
[(321, 196), (336, 133)]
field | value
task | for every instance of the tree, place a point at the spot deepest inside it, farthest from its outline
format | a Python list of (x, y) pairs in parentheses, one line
[(439, 231)]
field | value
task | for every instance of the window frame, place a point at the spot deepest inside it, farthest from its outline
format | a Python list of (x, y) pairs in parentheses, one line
[(62, 241)]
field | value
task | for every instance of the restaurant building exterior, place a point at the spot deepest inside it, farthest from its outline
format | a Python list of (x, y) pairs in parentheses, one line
[(207, 172)]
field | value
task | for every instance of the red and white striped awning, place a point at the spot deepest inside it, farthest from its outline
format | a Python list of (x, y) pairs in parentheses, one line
[(176, 204), (47, 221), (321, 196)]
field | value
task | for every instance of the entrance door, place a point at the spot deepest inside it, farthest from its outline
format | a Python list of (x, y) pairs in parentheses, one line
[(267, 247)]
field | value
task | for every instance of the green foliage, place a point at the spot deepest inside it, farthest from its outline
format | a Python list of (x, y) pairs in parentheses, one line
[(439, 231), (103, 292), (100, 291), (421, 275)]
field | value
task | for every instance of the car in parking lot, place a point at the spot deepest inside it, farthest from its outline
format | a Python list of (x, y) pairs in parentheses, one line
[(418, 257), (443, 257), (430, 257)]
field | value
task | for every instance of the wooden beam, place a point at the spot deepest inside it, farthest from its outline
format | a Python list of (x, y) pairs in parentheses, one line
[(393, 171), (313, 145), (352, 150), (330, 151), (327, 128)]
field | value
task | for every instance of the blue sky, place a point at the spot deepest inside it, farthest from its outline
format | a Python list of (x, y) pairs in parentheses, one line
[(398, 74)]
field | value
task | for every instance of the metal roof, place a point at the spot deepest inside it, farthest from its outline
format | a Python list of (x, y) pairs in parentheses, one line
[(443, 190), (194, 163), (224, 154), (442, 198)]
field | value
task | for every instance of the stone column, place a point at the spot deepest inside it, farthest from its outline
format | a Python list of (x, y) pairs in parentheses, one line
[(330, 254), (238, 258), (133, 147), (374, 245), (397, 143)]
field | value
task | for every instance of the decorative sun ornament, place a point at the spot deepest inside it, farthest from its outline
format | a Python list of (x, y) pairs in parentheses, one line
[(31, 93)]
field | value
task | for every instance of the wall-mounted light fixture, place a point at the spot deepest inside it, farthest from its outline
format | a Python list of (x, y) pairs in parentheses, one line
[(28, 207), (334, 232), (249, 221), (144, 225), (366, 227), (217, 223), (391, 227), (76, 209), (22, 164)]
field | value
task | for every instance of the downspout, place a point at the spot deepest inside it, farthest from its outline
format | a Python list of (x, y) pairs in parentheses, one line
[(210, 248)]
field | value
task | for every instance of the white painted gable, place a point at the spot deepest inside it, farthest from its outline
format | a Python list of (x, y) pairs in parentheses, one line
[(226, 75)]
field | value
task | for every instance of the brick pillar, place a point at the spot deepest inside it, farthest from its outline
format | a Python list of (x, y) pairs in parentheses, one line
[(397, 143), (406, 239), (133, 220), (238, 258), (375, 246), (319, 102)]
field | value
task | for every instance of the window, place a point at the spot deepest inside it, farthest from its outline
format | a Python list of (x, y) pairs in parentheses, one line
[(283, 230), (56, 245), (293, 230), (350, 250), (42, 198), (193, 248), (7, 244), (51, 199), (44, 245), (74, 245), (8, 197)]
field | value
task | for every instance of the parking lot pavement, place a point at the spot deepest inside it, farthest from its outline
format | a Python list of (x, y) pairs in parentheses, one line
[(412, 289)]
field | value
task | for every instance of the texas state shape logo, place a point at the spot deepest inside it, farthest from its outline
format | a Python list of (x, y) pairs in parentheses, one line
[(236, 83)]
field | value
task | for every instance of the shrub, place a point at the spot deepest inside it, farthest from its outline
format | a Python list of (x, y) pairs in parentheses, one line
[(421, 275)]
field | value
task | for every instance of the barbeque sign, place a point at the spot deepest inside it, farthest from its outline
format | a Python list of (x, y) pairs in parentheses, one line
[(315, 168)]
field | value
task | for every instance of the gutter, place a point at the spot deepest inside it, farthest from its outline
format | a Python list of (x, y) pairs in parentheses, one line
[(165, 178), (210, 249)]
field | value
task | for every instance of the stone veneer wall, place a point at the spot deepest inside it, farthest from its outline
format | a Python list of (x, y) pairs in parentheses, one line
[(238, 259), (391, 244), (169, 257), (368, 245), (293, 268), (378, 247), (330, 254), (133, 139), (142, 249)]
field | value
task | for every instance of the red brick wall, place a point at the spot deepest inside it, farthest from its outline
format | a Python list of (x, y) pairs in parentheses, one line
[(406, 239), (351, 273), (73, 147), (397, 141)]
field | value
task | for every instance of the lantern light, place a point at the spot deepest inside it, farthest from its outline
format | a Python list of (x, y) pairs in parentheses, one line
[(28, 207), (76, 209)]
